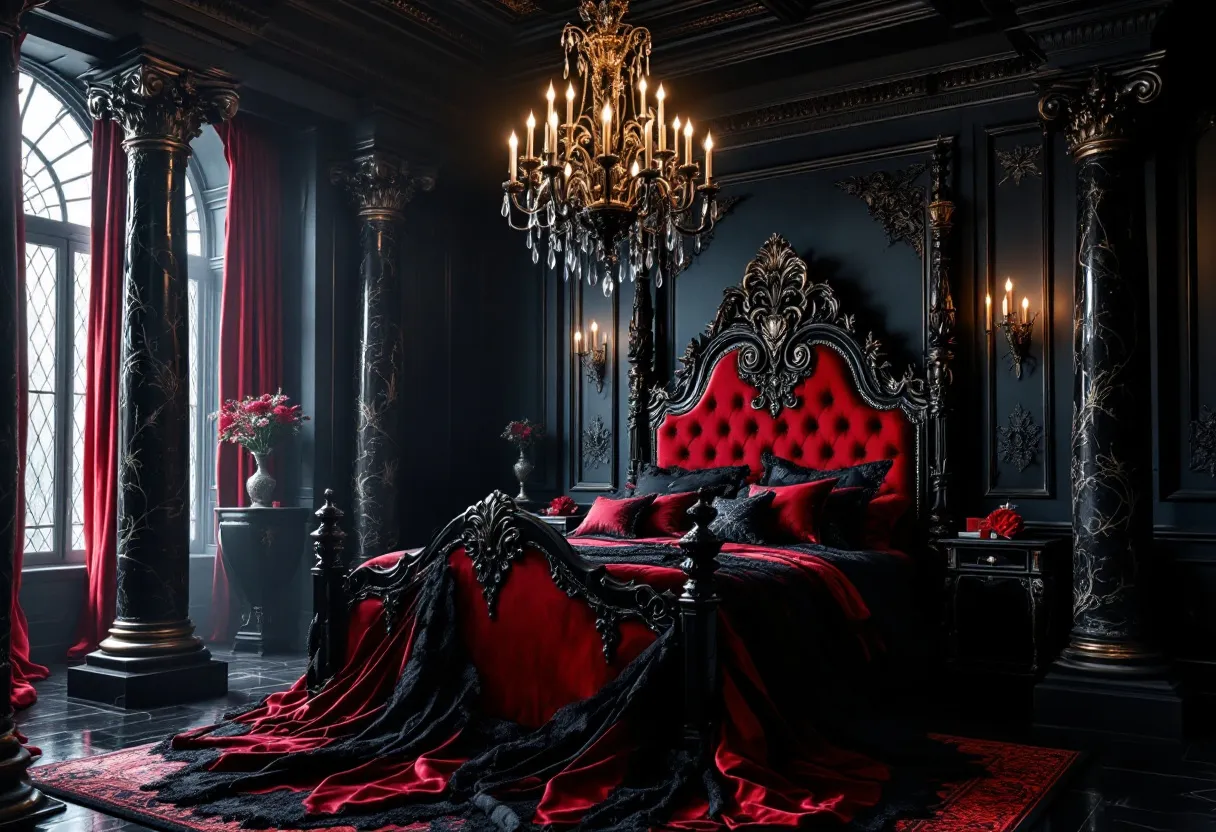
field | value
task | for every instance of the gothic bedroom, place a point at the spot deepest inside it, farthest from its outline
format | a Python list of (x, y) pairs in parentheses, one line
[(608, 415)]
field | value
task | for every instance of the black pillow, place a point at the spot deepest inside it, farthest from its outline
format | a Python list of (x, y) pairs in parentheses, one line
[(867, 475), (743, 520), (844, 518), (726, 481)]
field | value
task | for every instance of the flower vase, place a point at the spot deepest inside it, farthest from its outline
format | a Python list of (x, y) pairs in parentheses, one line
[(523, 470), (260, 485)]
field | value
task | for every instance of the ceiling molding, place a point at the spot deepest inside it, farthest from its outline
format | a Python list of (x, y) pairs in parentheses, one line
[(891, 98)]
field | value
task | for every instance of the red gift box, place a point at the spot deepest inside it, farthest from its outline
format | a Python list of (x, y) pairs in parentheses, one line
[(973, 523)]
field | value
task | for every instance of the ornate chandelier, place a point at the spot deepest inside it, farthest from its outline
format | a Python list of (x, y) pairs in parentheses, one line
[(612, 176)]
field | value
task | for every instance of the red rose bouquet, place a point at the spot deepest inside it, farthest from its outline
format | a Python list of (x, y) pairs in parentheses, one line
[(258, 423), (1004, 521), (522, 433), (563, 507)]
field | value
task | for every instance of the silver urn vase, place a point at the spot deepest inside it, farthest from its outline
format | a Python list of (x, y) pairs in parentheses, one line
[(260, 486), (523, 470)]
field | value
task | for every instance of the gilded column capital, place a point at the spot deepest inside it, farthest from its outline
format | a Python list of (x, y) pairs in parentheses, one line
[(161, 104), (381, 184), (1100, 113)]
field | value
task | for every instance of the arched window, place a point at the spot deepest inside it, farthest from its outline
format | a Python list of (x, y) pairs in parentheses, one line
[(56, 182)]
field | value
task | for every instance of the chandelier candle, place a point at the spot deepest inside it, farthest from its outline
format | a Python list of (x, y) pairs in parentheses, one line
[(600, 198)]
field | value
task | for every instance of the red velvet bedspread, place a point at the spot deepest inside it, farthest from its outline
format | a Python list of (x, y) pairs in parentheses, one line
[(540, 652)]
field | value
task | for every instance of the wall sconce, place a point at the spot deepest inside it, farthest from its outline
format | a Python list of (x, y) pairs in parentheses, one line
[(1018, 326), (593, 355)]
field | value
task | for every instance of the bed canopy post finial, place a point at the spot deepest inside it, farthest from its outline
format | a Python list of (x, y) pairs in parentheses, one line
[(940, 342), (327, 632), (698, 605), (641, 373)]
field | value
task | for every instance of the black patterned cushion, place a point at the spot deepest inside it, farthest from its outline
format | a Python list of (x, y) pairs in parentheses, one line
[(867, 475), (844, 518), (745, 519), (655, 480)]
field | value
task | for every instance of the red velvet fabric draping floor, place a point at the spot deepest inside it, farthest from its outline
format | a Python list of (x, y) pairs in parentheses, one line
[(1020, 782)]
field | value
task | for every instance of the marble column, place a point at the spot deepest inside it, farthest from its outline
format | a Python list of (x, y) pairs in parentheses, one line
[(160, 107), (641, 374), (20, 802), (381, 185), (1112, 471)]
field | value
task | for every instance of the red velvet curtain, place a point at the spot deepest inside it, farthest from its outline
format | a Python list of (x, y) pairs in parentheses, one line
[(251, 328), (108, 248), (22, 692)]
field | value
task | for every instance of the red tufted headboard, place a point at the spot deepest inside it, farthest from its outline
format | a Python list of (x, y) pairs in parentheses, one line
[(781, 369), (832, 426)]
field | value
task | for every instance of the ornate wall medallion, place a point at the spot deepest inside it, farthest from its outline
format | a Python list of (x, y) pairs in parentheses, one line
[(597, 444), (1018, 444), (1019, 163), (895, 201), (1203, 443)]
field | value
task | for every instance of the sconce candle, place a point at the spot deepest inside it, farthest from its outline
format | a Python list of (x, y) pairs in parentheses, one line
[(1017, 326), (661, 96), (593, 356), (531, 133)]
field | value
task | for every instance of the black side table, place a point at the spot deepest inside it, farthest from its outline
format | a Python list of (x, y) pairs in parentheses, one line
[(1008, 602), (262, 550), (565, 525)]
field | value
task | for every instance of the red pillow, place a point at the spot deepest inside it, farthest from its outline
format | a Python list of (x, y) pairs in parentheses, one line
[(614, 518), (668, 515), (797, 509), (882, 516)]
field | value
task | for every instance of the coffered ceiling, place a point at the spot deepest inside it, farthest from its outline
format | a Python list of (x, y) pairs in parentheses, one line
[(427, 62)]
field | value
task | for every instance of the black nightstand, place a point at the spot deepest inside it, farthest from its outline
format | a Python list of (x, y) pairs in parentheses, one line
[(1008, 603), (565, 525)]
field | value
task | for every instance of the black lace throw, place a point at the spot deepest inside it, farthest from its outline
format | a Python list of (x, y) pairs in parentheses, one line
[(436, 694)]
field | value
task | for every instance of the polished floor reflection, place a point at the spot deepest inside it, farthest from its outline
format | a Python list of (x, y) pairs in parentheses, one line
[(1129, 787)]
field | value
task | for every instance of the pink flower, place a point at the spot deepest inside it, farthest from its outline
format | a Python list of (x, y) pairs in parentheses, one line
[(227, 420), (257, 407), (285, 415)]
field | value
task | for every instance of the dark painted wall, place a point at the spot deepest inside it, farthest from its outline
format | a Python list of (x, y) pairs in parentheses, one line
[(1024, 230)]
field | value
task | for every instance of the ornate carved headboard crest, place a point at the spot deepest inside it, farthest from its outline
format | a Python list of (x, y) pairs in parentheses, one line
[(774, 318)]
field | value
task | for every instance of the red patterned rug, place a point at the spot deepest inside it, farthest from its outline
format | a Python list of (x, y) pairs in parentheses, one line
[(1021, 780)]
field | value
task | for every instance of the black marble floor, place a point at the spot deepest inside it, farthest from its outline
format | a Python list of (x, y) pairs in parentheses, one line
[(1129, 787)]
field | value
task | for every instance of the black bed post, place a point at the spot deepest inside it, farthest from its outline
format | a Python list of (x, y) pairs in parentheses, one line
[(327, 633), (641, 373), (699, 627), (940, 343)]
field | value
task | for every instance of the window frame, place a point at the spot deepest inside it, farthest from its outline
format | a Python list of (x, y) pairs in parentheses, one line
[(67, 239)]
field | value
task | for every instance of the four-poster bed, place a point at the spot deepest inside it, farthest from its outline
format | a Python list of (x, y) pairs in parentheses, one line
[(691, 677)]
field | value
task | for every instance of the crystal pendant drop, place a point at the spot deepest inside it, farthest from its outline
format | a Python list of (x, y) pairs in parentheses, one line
[(650, 258), (506, 205), (680, 256), (696, 244), (658, 277), (528, 239), (671, 236), (608, 287), (552, 257), (535, 255)]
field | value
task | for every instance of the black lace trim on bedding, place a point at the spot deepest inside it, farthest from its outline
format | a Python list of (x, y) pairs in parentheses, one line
[(435, 698)]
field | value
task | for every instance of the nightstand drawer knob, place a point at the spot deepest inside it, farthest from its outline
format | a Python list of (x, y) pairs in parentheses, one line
[(991, 559)]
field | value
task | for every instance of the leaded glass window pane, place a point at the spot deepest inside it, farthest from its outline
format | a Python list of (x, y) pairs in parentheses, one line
[(194, 406), (80, 354), (41, 277), (56, 157), (194, 229)]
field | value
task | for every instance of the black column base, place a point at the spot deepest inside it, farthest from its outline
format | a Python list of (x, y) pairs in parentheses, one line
[(46, 807), (148, 682), (1094, 706)]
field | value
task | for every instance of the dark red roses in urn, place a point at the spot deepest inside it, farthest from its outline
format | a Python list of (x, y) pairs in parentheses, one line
[(563, 507)]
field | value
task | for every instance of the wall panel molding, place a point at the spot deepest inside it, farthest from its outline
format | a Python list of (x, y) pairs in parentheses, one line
[(998, 169)]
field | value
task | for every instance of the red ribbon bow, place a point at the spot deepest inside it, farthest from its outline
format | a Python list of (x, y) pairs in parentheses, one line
[(563, 507)]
